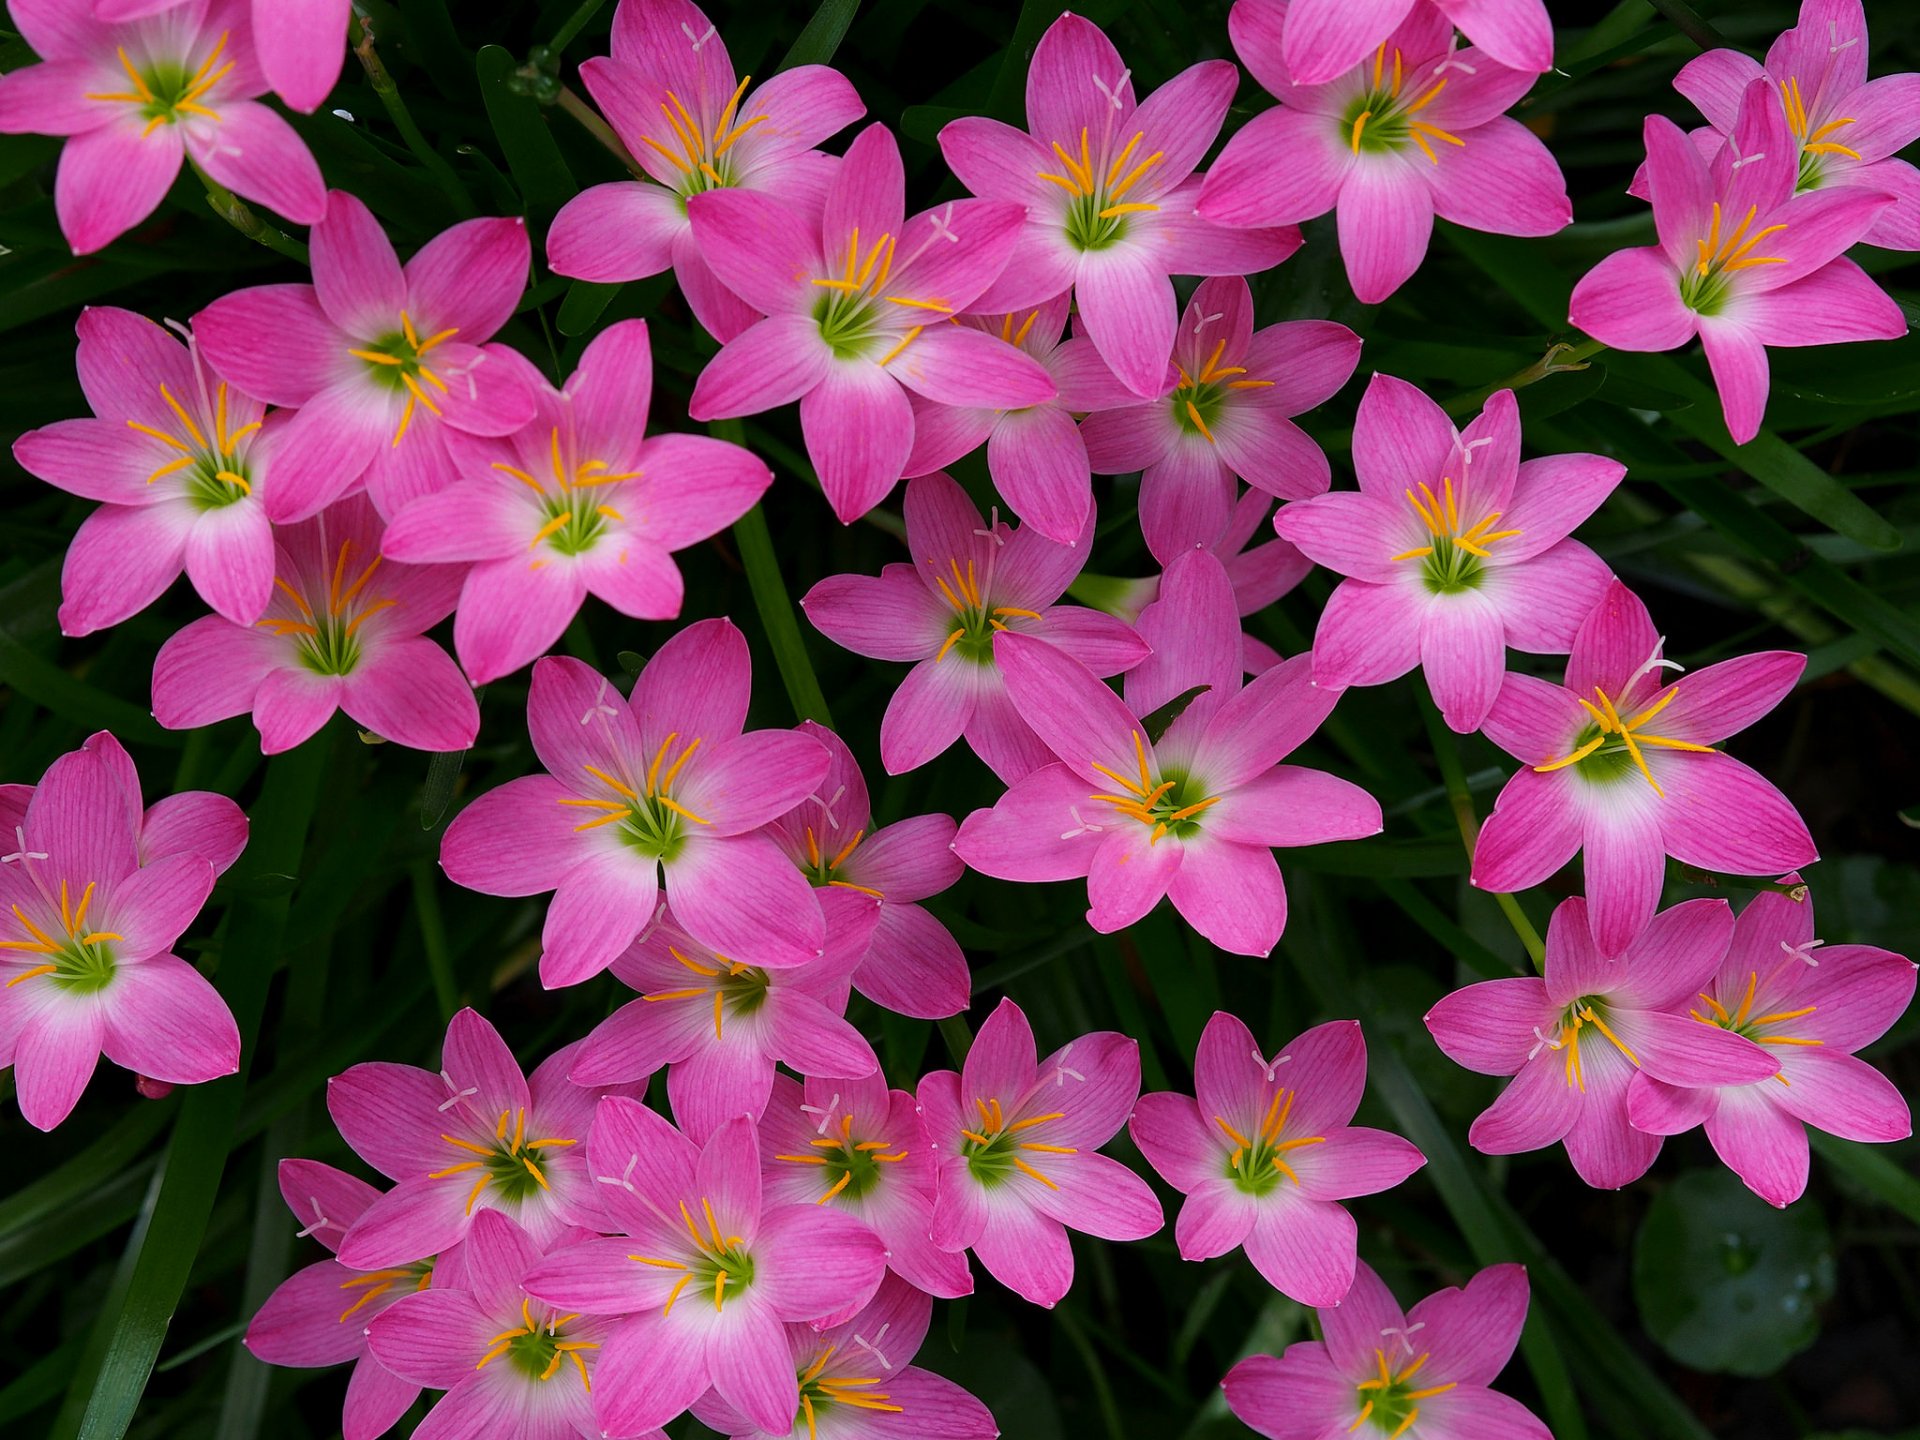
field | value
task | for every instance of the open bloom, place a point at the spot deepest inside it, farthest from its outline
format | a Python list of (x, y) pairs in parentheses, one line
[(1576, 1037), (1109, 192), (136, 98), (1415, 1375), (1814, 1004), (1016, 1141), (1228, 415), (1624, 768), (377, 357), (662, 789), (343, 631), (1453, 548), (969, 581), (1265, 1152), (300, 44), (705, 1273), (1414, 129), (577, 501), (669, 92), (1743, 261), (855, 306)]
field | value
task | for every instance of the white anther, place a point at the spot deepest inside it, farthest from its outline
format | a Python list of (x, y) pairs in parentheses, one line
[(1082, 827), (1450, 63), (697, 40), (825, 1112), (1062, 1070), (1655, 662), (1405, 1335), (1113, 95), (1733, 149), (943, 224), (1546, 1042), (1749, 159), (826, 805), (1468, 447), (320, 1220), (872, 1346), (992, 532), (624, 1179), (457, 1094), (599, 706), (20, 839), (1834, 43), (659, 912), (1267, 1068), (1804, 950), (1200, 322)]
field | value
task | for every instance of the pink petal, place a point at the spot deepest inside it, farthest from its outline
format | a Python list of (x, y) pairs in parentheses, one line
[(760, 248), (1739, 365), (514, 840), (328, 445), (1126, 304), (431, 1338), (229, 558), (154, 905), (417, 1218), (1625, 866), (258, 156), (914, 966), (891, 616), (1025, 1251), (302, 46), (1355, 1327), (1716, 82), (1278, 1396), (1839, 302), (274, 342), (210, 671), (1682, 1051), (994, 160), (53, 1059), (1308, 361), (411, 692), (650, 1370), (1516, 33), (711, 484), (1385, 218), (1061, 97), (1398, 434), (1129, 875), (619, 231), (1552, 495), (164, 1020), (376, 1400), (1606, 1151), (1271, 453), (291, 706), (1039, 465), (112, 178), (1536, 1110), (1473, 1331), (928, 712), (1291, 805), (1721, 815), (955, 365), (995, 732), (818, 1260), (1534, 830), (300, 1323), (355, 272), (96, 459), (1305, 1249), (511, 613), (740, 896), (1356, 1161), (1350, 532), (1281, 167), (51, 98), (1101, 1197), (1491, 1027), (1503, 181), (1080, 719), (1368, 634), (120, 561), (1325, 37), (858, 428), (868, 195), (194, 822), (1463, 649), (1231, 893), (1181, 1147), (1725, 698), (1761, 1143), (470, 277), (1662, 1109), (1845, 1096), (598, 907), (1262, 725), (1631, 301), (1032, 832), (697, 683), (777, 360), (750, 780)]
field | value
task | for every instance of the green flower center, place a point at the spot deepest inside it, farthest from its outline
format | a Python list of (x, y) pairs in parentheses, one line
[(821, 1391), (1588, 1017), (644, 810), (539, 1348), (1814, 143), (703, 158), (397, 360), (1723, 254), (1098, 212), (848, 1166), (822, 868), (716, 1264), (735, 989), (849, 311), (1452, 560), (1391, 1401), (325, 627), (1258, 1162), (213, 473), (1612, 746), (77, 959), (1383, 119), (1761, 1029), (511, 1164), (166, 90), (975, 621), (1169, 802), (997, 1148), (574, 512)]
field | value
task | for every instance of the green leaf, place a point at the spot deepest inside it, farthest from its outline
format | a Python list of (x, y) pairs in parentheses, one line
[(771, 599), (583, 306), (1869, 1168), (822, 34), (45, 683), (520, 124)]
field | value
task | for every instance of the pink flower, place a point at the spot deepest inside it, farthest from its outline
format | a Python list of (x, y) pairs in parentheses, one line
[(377, 358), (1630, 1012), (855, 1382), (87, 929), (912, 965), (1323, 38), (1743, 262), (717, 1023), (1229, 415), (1415, 129), (1109, 192), (135, 99), (664, 785), (670, 93), (319, 1315), (859, 1146), (300, 43), (706, 1274), (576, 501), (1267, 1151), (969, 582), (1453, 547), (1016, 1143), (343, 631), (1818, 1009), (853, 306), (1421, 1375), (513, 1367), (1599, 779)]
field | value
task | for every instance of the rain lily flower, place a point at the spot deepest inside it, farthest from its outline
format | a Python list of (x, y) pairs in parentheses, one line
[(857, 1145), (137, 98), (969, 582), (1266, 1153), (1228, 415), (378, 358), (1576, 1037), (86, 930), (576, 501), (1016, 1142), (704, 1271), (1743, 261), (300, 44), (1414, 129), (1453, 548), (1416, 1375), (670, 94), (343, 631), (855, 1382), (319, 1315), (854, 307), (662, 785), (513, 1367), (1817, 1004), (719, 1022), (179, 461), (1321, 39), (912, 966), (1623, 766), (1109, 192)]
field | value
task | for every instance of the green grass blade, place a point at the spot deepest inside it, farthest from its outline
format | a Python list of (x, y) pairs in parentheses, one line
[(822, 34)]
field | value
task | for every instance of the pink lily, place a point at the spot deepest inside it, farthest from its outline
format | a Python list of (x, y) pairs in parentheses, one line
[(1229, 415), (912, 965), (1255, 1127), (718, 1023), (85, 943), (1109, 192), (301, 44), (1817, 1009), (1416, 1375), (662, 785), (1414, 129), (1743, 262), (859, 1146), (853, 306), (343, 631), (1320, 39), (855, 1382), (135, 99), (576, 501), (1587, 747), (969, 582), (704, 1271), (1454, 549), (1016, 1142), (377, 358), (670, 94), (1629, 1009)]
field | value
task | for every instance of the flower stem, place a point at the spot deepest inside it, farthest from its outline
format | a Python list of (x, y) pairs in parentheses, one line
[(396, 106), (232, 209), (1687, 21), (1560, 357), (577, 22), (590, 121)]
